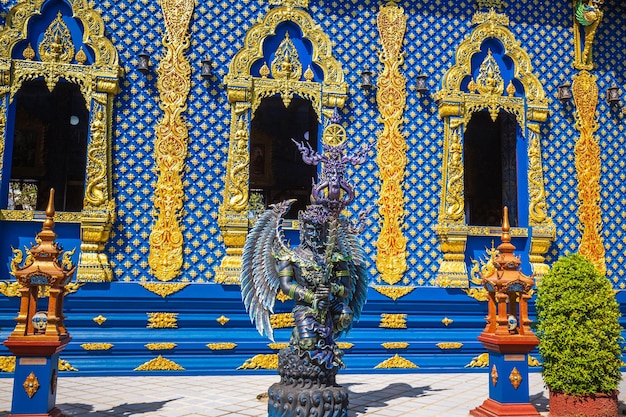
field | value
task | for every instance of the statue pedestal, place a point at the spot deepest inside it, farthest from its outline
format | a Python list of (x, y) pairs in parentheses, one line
[(307, 388)]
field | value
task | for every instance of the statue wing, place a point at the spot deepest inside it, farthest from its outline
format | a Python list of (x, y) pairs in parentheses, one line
[(259, 278), (350, 247)]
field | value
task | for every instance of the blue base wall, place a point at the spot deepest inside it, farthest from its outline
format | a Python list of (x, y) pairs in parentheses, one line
[(198, 306)]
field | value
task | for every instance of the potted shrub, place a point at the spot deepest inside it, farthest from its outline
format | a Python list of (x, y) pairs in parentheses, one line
[(579, 339)]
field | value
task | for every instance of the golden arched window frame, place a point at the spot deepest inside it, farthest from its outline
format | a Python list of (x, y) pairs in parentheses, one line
[(98, 83), (245, 93), (456, 106)]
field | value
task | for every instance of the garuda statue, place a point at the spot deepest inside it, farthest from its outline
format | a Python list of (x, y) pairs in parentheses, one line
[(326, 277)]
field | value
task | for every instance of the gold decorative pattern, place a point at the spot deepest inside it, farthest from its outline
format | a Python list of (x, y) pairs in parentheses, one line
[(515, 377), (221, 346), (456, 106), (583, 40), (588, 167), (532, 361), (160, 346), (395, 362), (98, 83), (7, 363), (494, 375), (162, 320), (395, 345), (393, 292), (282, 320), (222, 320), (345, 345), (66, 366), (290, 3), (164, 289), (450, 345), (245, 93), (446, 321), (31, 385), (10, 289), (392, 148), (170, 146), (97, 346), (99, 319), (159, 364), (392, 321), (282, 297), (478, 294), (480, 361), (269, 361), (277, 346)]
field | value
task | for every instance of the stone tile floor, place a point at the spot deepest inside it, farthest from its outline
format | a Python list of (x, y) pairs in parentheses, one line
[(380, 395)]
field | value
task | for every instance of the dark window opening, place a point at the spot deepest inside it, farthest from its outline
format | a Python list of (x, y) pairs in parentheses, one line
[(490, 169), (277, 171), (49, 147)]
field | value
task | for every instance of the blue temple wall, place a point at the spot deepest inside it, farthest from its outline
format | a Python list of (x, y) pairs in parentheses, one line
[(435, 29)]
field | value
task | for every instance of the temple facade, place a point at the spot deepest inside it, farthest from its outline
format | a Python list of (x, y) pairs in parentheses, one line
[(166, 127)]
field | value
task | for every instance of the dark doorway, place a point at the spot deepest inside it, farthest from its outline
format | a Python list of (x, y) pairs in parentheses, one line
[(49, 147), (277, 171), (490, 169)]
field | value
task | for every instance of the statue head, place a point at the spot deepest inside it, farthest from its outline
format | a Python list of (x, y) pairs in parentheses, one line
[(313, 227)]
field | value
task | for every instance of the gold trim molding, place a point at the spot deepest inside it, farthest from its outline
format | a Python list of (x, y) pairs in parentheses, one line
[(480, 361), (391, 145), (222, 346), (394, 292), (245, 93), (261, 361), (395, 345), (160, 346), (97, 346), (162, 320), (456, 106), (392, 321), (170, 146), (98, 83), (450, 345)]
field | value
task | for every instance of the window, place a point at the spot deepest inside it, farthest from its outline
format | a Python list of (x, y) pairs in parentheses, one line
[(49, 147), (277, 171), (490, 169)]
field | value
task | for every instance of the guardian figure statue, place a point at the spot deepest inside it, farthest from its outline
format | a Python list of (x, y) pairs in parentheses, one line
[(326, 277)]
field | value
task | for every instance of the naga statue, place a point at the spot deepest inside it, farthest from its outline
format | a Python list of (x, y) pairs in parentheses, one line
[(326, 277)]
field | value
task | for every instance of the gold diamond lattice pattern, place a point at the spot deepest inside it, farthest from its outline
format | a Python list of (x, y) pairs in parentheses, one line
[(434, 31)]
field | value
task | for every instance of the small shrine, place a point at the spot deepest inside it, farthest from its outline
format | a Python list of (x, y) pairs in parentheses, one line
[(507, 335), (40, 333)]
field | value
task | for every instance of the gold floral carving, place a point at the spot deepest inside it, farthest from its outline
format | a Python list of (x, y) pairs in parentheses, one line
[(269, 361), (98, 83), (164, 289), (480, 361), (10, 289), (345, 345), (277, 346), (456, 106), (395, 345), (393, 292), (282, 320), (99, 319), (584, 34), (97, 346), (245, 93), (587, 160), (450, 345), (391, 145), (7, 363), (446, 321), (222, 320), (221, 346), (31, 385), (160, 346), (66, 366), (532, 361), (392, 321), (162, 320), (159, 364), (282, 297), (516, 378), (396, 362), (478, 294), (170, 146)]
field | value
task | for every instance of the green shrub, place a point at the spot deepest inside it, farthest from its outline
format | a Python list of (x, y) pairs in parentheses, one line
[(578, 329)]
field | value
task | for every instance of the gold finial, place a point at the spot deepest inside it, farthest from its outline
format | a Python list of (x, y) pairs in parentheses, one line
[(48, 224), (506, 227)]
